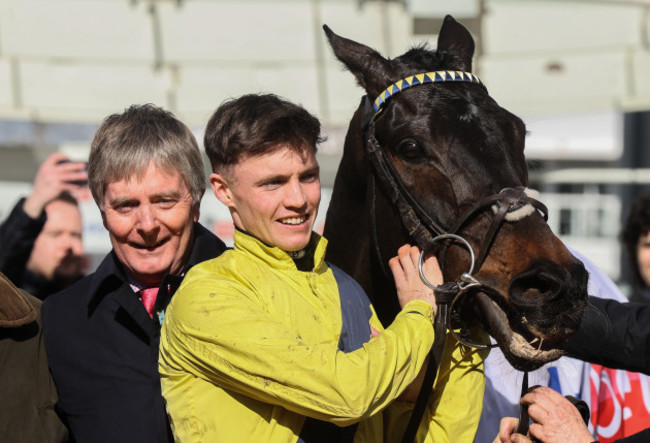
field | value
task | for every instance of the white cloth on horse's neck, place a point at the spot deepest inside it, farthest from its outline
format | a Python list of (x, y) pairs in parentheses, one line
[(524, 211)]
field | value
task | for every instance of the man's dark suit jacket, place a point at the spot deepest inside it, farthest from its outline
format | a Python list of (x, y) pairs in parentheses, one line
[(102, 348), (616, 335)]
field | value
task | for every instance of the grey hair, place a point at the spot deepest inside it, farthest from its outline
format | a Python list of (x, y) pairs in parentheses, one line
[(126, 143)]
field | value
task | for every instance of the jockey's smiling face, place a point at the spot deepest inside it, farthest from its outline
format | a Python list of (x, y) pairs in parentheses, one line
[(273, 196)]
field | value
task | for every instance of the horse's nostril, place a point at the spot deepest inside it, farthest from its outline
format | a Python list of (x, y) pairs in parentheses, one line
[(548, 301), (535, 287)]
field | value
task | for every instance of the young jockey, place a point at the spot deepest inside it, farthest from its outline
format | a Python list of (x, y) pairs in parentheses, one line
[(269, 342)]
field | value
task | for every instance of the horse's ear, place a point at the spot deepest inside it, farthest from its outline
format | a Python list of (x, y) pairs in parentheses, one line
[(368, 66), (456, 41)]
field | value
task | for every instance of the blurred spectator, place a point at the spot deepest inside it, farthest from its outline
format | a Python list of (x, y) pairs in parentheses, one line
[(42, 251), (27, 413), (636, 238)]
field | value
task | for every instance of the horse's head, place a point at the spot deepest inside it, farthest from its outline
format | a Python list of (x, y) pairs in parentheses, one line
[(451, 150)]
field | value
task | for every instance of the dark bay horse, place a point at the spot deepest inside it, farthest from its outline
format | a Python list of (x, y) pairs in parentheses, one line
[(429, 152)]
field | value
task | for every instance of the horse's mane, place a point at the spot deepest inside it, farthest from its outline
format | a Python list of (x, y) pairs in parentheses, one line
[(421, 56), (535, 164)]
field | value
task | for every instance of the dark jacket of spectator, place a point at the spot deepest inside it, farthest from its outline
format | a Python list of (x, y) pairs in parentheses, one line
[(17, 236), (27, 408), (616, 335), (103, 352)]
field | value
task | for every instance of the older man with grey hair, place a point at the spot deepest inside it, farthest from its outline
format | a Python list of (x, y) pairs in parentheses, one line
[(146, 175)]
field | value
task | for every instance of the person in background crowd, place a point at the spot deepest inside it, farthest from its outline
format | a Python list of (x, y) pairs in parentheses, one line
[(146, 175), (42, 250), (27, 409), (271, 343), (636, 238)]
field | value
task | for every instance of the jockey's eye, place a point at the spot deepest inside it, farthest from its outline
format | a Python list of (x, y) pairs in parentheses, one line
[(410, 151)]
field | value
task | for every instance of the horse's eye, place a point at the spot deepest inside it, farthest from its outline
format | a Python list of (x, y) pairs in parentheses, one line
[(410, 151)]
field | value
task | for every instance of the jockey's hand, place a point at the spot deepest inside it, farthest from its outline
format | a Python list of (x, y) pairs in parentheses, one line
[(408, 283)]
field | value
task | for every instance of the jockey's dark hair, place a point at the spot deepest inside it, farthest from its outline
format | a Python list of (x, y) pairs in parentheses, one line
[(256, 124), (636, 225)]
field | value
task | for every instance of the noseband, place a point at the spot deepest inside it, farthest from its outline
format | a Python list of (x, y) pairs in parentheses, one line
[(508, 205)]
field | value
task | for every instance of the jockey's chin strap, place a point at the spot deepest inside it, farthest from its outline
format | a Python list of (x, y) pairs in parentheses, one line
[(509, 205)]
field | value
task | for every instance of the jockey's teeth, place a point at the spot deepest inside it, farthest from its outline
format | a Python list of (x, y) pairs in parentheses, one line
[(293, 220)]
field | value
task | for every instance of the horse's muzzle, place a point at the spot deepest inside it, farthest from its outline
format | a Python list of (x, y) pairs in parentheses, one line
[(550, 299)]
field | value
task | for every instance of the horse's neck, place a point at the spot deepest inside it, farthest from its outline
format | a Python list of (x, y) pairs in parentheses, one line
[(352, 248), (359, 219), (347, 226), (364, 232), (347, 230)]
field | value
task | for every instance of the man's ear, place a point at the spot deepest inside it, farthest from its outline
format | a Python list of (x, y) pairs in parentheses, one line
[(221, 189)]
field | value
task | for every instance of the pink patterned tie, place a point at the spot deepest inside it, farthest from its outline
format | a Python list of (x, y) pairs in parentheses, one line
[(148, 297)]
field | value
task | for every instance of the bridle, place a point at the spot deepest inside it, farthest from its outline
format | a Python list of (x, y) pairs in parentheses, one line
[(508, 205)]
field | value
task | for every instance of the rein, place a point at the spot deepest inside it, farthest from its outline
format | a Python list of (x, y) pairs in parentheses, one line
[(510, 204)]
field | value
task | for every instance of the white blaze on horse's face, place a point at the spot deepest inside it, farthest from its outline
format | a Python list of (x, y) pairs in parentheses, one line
[(273, 196)]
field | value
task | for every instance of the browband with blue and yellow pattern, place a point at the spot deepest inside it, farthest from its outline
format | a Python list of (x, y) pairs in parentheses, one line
[(421, 79)]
